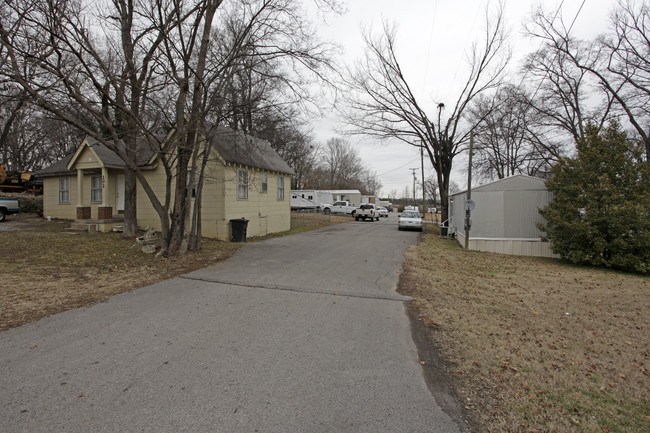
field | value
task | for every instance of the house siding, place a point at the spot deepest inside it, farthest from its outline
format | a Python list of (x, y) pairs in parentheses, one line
[(68, 211), (147, 215), (264, 211), (51, 205)]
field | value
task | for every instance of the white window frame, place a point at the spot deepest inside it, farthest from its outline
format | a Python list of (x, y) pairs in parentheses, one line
[(280, 188), (242, 184), (265, 183), (64, 190), (96, 192)]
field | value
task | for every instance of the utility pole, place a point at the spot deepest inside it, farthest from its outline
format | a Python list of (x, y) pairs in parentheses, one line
[(413, 170), (469, 204)]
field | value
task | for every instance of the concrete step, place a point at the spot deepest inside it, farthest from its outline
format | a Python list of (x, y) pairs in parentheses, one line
[(82, 227)]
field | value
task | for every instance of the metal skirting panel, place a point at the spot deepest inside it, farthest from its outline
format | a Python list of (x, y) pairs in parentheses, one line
[(515, 247)]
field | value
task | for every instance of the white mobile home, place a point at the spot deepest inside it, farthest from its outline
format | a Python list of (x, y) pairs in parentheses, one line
[(311, 197), (505, 216), (351, 195)]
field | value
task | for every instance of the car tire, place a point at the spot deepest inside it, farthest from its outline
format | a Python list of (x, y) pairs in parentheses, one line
[(356, 218), (327, 211), (3, 215)]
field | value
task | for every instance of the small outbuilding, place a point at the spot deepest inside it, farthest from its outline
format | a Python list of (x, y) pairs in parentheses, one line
[(504, 218)]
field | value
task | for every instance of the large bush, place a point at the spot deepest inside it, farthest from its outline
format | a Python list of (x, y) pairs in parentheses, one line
[(600, 214), (31, 205)]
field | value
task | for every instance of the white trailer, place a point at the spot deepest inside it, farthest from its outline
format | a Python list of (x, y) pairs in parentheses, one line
[(317, 197)]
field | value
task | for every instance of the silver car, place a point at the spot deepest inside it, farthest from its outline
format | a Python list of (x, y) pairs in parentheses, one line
[(409, 220)]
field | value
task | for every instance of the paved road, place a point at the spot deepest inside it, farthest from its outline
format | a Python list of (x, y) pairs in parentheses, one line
[(302, 333)]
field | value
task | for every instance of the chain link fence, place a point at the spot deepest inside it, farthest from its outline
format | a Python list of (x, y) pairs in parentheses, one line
[(308, 217)]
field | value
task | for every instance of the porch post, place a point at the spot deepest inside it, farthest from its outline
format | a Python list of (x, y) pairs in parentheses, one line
[(104, 186), (80, 183), (105, 211), (83, 212)]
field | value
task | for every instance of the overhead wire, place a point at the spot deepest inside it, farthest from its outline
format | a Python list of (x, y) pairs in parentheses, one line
[(401, 166), (426, 65)]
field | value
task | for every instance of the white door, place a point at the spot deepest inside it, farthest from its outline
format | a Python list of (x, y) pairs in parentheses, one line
[(119, 194)]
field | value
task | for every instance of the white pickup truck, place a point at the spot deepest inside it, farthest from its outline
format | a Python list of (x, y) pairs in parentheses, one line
[(339, 207), (8, 206), (367, 211)]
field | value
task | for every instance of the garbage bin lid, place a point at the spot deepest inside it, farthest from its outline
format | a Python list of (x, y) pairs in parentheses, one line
[(242, 219)]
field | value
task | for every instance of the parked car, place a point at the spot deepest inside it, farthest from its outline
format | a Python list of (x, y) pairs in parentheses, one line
[(409, 220), (8, 206), (383, 212)]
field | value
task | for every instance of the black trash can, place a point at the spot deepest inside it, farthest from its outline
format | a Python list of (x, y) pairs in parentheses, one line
[(238, 229)]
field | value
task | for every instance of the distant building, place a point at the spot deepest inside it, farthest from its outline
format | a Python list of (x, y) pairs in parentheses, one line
[(505, 216), (322, 197)]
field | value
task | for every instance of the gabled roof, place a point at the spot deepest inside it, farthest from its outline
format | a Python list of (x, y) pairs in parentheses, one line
[(110, 159), (106, 157), (238, 148), (233, 146)]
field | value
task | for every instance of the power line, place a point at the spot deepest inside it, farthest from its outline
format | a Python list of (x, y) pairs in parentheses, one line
[(401, 166), (426, 65), (568, 32)]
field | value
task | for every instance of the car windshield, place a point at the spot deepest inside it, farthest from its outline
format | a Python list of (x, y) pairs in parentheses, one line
[(410, 215)]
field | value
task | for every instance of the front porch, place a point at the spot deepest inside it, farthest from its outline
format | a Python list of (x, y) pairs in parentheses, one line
[(100, 186), (96, 225)]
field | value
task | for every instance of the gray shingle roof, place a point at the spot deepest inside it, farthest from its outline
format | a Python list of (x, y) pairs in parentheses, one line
[(107, 156), (239, 148), (59, 168), (233, 146)]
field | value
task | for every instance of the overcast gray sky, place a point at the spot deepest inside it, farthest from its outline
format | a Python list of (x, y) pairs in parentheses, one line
[(433, 37)]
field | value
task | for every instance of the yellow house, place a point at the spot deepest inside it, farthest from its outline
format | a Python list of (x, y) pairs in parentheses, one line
[(244, 178)]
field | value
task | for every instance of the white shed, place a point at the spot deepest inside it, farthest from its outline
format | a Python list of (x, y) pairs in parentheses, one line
[(505, 216)]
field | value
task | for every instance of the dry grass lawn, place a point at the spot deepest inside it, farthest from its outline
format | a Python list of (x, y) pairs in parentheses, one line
[(535, 345)]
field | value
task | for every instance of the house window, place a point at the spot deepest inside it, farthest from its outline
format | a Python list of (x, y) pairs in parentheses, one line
[(242, 184), (280, 188), (64, 190), (265, 182), (96, 189)]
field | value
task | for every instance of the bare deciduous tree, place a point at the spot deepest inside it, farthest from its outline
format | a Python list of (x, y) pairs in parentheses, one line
[(383, 104), (507, 136), (618, 61), (136, 70)]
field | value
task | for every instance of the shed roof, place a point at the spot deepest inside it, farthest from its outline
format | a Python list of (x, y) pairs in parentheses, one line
[(518, 182)]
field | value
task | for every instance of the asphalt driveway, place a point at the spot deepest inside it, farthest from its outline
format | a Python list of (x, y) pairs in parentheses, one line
[(302, 333)]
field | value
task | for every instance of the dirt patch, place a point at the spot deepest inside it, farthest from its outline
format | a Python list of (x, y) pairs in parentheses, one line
[(535, 345)]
